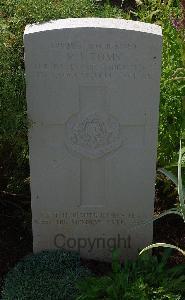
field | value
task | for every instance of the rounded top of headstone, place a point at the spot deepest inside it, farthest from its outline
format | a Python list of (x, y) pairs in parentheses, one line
[(109, 23)]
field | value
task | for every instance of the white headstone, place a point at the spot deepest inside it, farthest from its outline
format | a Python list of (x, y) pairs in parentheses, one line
[(93, 101)]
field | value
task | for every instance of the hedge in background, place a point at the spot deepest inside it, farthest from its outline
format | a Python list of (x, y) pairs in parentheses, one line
[(45, 276)]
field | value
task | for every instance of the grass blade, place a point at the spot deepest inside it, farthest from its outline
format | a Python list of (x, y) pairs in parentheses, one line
[(164, 245)]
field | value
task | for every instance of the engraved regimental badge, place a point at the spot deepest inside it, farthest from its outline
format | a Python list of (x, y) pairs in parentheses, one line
[(93, 135)]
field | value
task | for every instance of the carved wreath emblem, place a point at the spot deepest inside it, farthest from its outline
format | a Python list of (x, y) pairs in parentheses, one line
[(93, 135)]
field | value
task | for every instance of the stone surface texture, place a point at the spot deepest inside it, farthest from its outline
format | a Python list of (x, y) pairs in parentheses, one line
[(93, 89)]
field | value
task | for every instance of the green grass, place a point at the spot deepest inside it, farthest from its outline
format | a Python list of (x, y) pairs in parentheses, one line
[(15, 14)]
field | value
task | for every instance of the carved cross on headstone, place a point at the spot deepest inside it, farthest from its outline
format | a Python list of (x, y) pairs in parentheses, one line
[(95, 134)]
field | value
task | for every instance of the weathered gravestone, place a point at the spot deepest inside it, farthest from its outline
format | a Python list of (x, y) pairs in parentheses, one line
[(93, 101)]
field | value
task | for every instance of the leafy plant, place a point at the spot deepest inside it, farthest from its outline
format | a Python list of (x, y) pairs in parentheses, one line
[(180, 210), (179, 25), (147, 278), (47, 275), (172, 91)]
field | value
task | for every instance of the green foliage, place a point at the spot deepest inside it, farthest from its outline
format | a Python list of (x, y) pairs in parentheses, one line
[(147, 278), (47, 275), (180, 209), (172, 91)]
